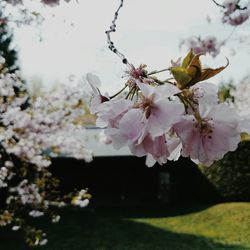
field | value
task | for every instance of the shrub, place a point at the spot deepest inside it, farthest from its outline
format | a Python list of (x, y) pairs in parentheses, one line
[(231, 175)]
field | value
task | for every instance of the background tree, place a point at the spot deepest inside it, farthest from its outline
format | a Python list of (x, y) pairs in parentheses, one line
[(7, 50)]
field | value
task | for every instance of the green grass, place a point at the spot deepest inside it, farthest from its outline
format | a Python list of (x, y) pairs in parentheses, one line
[(182, 227)]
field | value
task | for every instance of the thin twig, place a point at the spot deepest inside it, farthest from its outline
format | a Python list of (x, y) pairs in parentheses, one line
[(238, 7), (230, 35), (222, 6), (113, 29)]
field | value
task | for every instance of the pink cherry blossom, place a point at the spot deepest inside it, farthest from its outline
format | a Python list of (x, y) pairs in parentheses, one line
[(230, 6), (155, 149), (94, 82), (208, 139), (234, 14), (159, 111), (174, 146), (239, 19), (109, 113), (208, 45), (205, 92), (129, 130), (141, 124)]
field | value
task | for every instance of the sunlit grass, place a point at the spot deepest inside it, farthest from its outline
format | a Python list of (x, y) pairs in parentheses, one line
[(227, 223), (182, 227)]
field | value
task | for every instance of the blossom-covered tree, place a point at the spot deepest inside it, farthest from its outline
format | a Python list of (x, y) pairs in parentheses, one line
[(6, 49), (33, 130)]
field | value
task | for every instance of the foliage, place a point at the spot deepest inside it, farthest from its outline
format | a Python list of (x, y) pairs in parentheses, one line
[(6, 48), (231, 175), (225, 92)]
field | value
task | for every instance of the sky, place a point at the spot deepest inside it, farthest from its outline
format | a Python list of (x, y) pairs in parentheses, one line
[(71, 41)]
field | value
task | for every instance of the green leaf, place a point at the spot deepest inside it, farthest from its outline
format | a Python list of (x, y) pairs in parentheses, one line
[(188, 58), (181, 75), (245, 137)]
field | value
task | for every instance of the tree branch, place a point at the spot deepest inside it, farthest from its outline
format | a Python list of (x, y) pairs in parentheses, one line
[(222, 6), (238, 7), (113, 29)]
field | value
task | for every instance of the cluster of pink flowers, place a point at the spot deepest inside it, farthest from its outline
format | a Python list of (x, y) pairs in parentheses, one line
[(208, 45), (163, 120), (47, 125), (32, 130), (233, 13)]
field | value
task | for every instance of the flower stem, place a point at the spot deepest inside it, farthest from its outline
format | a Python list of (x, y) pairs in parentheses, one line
[(113, 96), (157, 71)]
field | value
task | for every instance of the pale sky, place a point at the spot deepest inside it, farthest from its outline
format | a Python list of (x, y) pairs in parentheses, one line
[(147, 32)]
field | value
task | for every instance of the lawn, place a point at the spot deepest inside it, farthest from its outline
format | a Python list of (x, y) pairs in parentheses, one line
[(179, 227)]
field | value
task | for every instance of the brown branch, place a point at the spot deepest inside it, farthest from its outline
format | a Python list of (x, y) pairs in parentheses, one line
[(238, 7), (222, 6), (113, 29)]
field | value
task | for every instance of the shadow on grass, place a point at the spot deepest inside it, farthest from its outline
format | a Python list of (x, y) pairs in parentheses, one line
[(86, 230), (152, 211)]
